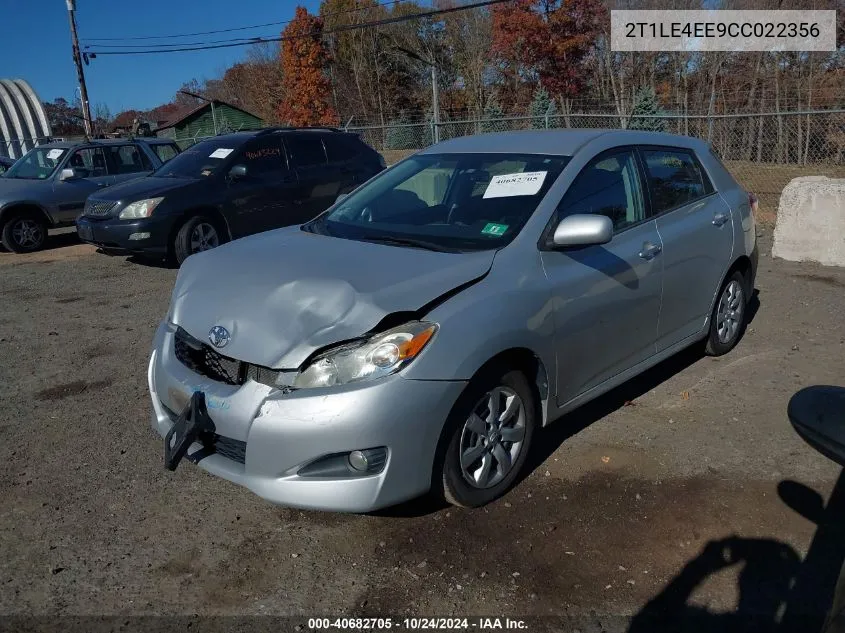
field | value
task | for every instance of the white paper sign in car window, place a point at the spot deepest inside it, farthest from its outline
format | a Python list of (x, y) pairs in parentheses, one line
[(525, 184), (53, 154), (220, 152)]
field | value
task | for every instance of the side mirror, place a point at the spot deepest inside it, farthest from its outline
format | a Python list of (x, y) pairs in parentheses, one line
[(237, 172), (583, 230), (68, 173), (341, 196), (816, 414)]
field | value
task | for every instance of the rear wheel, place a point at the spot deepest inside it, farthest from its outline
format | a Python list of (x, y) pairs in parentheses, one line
[(196, 235), (24, 232), (489, 434), (728, 320)]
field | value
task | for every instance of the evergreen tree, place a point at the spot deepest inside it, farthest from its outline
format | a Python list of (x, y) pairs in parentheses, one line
[(541, 105), (492, 114), (645, 102)]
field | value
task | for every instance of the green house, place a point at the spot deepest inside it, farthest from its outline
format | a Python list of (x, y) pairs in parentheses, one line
[(208, 119)]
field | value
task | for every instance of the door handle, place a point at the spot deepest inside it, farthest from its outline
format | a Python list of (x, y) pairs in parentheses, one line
[(720, 218), (650, 251)]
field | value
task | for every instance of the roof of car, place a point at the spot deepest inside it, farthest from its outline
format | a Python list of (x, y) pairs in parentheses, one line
[(102, 141), (554, 142)]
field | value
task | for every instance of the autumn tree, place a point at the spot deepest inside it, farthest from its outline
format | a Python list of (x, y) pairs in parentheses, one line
[(546, 41), (304, 61)]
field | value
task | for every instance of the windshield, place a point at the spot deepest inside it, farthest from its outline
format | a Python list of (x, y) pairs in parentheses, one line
[(446, 201), (198, 161), (37, 164)]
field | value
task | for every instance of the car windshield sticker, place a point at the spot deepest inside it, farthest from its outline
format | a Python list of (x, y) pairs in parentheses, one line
[(525, 184), (220, 152), (53, 154), (491, 228)]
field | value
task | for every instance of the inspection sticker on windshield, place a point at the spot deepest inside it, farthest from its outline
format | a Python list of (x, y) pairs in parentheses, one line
[(220, 152), (491, 228), (53, 154), (525, 184)]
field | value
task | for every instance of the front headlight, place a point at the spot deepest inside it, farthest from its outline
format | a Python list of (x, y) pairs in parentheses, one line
[(378, 356), (140, 209)]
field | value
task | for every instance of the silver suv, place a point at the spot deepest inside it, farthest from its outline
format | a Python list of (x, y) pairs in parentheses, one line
[(47, 187), (417, 334)]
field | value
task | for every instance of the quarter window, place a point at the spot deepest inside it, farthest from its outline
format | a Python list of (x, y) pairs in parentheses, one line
[(306, 150), (340, 148), (610, 186), (164, 152), (675, 178)]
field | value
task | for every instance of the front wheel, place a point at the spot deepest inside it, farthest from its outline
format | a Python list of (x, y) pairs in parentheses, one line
[(24, 233), (196, 235), (489, 434), (728, 320)]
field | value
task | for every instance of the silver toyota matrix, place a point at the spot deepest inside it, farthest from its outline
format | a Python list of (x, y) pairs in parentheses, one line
[(416, 335)]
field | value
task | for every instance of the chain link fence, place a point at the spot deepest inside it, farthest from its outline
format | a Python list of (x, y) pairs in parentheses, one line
[(763, 151)]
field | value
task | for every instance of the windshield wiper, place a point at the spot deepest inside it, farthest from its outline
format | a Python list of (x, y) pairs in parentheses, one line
[(407, 241)]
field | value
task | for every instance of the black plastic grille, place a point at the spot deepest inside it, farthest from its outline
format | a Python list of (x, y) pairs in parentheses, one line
[(202, 359), (229, 448), (99, 208)]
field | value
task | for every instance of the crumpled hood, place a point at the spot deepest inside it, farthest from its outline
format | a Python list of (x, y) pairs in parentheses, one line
[(286, 293)]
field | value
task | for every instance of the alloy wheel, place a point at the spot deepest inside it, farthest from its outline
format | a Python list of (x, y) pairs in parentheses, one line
[(730, 312), (492, 437), (204, 237), (27, 233)]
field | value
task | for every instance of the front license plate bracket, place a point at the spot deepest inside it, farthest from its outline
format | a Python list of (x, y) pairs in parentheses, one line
[(187, 429)]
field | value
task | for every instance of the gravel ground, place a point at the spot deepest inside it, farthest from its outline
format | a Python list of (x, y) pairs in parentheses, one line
[(669, 496)]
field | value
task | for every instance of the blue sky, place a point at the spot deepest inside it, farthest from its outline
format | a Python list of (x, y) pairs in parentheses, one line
[(36, 46)]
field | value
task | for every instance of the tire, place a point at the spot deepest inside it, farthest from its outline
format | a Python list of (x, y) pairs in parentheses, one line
[(188, 241), (729, 317), (24, 232), (484, 476)]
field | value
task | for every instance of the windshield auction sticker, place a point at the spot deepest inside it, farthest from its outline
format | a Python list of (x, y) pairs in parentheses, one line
[(220, 152), (723, 30), (53, 154), (525, 184)]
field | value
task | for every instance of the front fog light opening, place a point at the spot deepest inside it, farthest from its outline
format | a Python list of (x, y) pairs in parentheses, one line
[(139, 236), (370, 460), (357, 463)]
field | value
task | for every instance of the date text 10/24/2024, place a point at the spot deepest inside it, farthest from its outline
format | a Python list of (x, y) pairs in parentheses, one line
[(417, 624)]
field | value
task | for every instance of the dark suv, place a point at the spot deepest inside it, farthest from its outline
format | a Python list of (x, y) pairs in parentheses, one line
[(227, 187)]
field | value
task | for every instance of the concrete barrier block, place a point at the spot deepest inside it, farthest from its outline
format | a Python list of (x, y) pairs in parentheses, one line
[(810, 224)]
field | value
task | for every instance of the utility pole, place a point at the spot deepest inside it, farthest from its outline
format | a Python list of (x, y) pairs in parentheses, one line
[(77, 59), (435, 99)]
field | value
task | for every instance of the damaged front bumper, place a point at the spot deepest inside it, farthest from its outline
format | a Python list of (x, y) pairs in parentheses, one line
[(270, 441)]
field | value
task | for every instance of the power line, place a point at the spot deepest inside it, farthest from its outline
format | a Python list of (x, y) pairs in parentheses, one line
[(239, 28), (337, 29)]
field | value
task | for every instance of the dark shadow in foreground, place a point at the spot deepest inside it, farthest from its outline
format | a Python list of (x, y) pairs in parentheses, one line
[(778, 592)]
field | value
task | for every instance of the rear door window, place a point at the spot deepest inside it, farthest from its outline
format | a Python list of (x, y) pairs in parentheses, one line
[(127, 159), (675, 178), (305, 150)]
